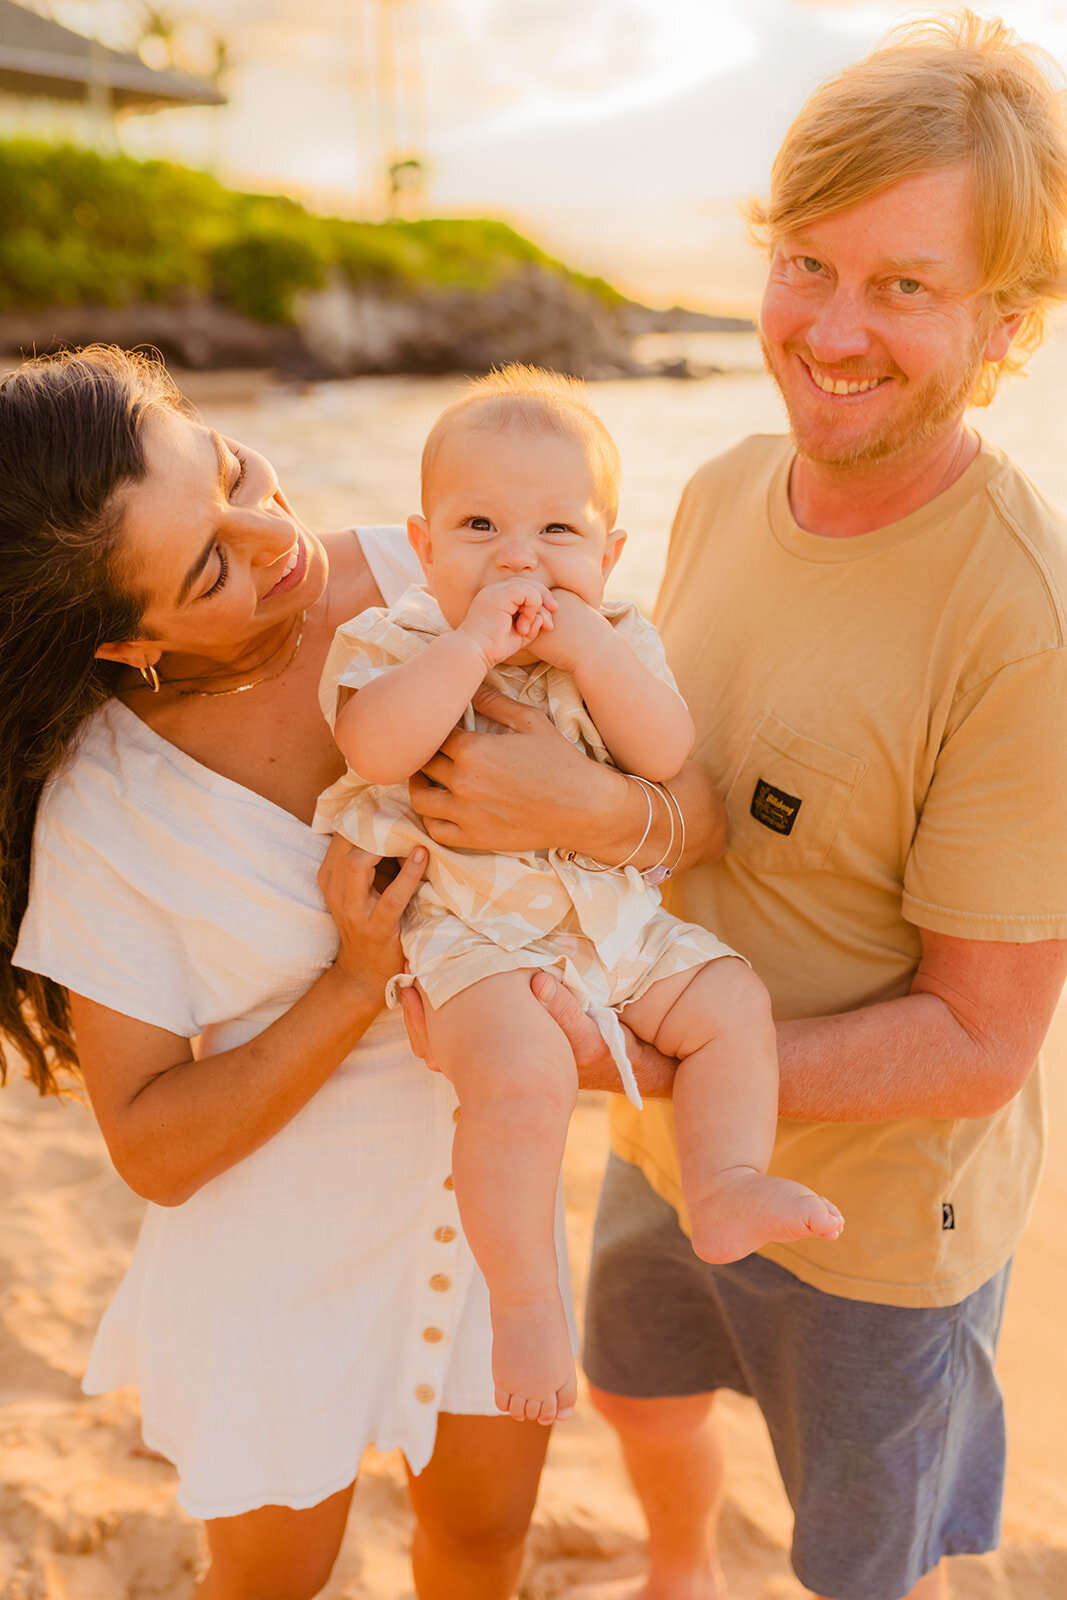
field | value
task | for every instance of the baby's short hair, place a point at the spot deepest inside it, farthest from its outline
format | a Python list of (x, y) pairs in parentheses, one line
[(535, 401)]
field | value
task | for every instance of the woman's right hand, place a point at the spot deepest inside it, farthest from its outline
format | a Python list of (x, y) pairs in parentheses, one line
[(368, 921)]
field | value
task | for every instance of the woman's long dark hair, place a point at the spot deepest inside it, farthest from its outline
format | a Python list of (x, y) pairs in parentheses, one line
[(70, 438)]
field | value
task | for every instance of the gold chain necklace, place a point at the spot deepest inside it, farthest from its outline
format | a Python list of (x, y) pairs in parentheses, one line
[(242, 688)]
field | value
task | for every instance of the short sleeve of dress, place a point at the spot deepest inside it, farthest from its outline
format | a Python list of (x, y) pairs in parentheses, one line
[(393, 563), (989, 857), (92, 922), (167, 892)]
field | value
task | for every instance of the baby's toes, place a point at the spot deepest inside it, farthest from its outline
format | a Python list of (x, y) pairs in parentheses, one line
[(825, 1220), (566, 1400)]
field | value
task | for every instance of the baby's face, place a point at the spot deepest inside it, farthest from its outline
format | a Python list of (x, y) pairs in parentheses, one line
[(504, 504)]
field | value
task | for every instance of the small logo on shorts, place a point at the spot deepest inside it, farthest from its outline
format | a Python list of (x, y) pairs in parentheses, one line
[(948, 1216), (774, 808)]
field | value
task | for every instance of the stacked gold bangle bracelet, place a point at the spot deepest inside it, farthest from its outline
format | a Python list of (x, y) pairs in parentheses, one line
[(659, 871)]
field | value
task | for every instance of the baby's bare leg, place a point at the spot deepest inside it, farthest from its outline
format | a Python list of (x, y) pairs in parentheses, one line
[(717, 1021), (514, 1074)]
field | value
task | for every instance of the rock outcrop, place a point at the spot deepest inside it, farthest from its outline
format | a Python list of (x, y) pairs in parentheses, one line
[(342, 331)]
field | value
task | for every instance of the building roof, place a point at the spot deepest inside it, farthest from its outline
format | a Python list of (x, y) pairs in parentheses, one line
[(38, 57)]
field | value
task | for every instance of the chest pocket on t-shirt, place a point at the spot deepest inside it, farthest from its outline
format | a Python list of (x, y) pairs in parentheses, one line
[(788, 798)]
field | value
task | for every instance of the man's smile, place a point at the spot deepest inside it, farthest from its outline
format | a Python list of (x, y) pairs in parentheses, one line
[(828, 384)]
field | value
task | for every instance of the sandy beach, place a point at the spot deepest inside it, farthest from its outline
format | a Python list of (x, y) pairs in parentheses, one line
[(85, 1514)]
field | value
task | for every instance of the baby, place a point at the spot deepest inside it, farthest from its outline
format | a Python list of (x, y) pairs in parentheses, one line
[(516, 538)]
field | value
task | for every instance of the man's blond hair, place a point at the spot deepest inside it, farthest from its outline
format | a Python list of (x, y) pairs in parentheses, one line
[(534, 401), (948, 89)]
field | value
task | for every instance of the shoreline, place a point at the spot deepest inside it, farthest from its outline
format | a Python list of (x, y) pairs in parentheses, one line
[(337, 333)]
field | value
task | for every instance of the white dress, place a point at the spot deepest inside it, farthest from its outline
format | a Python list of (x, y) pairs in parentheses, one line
[(318, 1296)]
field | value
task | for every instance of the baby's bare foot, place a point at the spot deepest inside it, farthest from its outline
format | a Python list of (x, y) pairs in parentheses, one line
[(533, 1365), (746, 1210)]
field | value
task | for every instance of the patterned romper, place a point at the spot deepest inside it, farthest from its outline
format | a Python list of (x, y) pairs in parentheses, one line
[(475, 913)]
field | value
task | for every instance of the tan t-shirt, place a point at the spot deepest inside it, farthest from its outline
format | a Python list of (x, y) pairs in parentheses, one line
[(887, 718)]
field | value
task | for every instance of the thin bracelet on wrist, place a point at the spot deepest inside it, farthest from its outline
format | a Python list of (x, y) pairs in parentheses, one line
[(657, 872), (569, 855), (673, 798)]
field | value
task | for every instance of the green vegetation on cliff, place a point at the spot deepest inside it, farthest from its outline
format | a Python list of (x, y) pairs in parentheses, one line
[(80, 228)]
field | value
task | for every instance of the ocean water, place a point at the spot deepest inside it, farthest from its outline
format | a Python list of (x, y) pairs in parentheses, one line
[(348, 452)]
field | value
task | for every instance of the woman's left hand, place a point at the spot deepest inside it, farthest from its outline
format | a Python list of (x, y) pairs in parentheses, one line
[(368, 919), (525, 788)]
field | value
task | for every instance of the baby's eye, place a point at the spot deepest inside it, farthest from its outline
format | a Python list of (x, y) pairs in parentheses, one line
[(558, 528), (480, 524)]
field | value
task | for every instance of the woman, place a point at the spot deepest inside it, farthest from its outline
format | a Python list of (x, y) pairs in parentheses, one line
[(300, 1286)]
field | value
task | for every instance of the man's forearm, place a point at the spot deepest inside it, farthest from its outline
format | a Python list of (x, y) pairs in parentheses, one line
[(892, 1061), (961, 1044), (898, 1060)]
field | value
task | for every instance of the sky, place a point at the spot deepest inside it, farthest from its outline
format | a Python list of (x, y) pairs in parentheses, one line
[(621, 134)]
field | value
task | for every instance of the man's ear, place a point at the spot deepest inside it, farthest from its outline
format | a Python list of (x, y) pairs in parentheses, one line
[(1001, 335), (136, 653), (612, 550), (419, 539)]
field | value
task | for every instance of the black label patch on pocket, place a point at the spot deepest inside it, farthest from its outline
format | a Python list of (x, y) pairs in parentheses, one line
[(948, 1216), (774, 808)]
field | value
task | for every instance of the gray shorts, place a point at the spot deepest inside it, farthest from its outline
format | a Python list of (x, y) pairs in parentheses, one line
[(887, 1422)]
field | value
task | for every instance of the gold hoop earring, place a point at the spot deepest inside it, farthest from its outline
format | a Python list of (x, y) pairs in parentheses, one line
[(150, 676)]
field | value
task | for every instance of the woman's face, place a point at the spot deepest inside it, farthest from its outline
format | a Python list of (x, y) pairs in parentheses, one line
[(213, 542)]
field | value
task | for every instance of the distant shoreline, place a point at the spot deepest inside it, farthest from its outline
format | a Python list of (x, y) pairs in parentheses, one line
[(344, 332)]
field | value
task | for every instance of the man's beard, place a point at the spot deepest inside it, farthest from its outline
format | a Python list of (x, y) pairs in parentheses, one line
[(939, 402)]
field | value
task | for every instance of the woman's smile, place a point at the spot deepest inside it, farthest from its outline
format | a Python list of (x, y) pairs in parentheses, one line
[(294, 571)]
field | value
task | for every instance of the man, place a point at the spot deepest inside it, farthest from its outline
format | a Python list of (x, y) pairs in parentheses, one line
[(868, 622)]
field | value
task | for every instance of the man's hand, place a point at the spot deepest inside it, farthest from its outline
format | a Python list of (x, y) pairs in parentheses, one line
[(525, 788), (415, 1022), (596, 1070), (592, 1059)]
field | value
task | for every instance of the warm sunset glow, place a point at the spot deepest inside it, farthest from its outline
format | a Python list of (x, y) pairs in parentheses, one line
[(621, 133)]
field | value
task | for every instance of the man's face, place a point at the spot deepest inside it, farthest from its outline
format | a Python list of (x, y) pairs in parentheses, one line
[(870, 323)]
